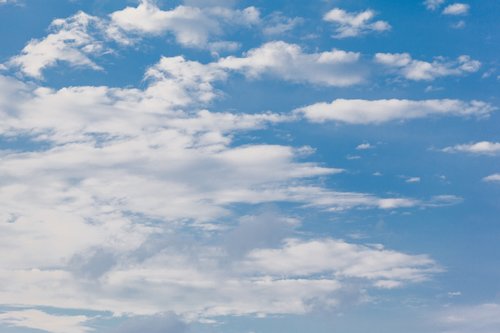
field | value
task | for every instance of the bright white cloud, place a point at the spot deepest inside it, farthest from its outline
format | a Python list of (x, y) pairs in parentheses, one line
[(433, 4), (404, 65), (364, 146), (191, 26), (480, 148), (492, 178), (290, 62), (69, 42), (40, 320), (354, 24), (358, 111), (343, 260), (456, 9)]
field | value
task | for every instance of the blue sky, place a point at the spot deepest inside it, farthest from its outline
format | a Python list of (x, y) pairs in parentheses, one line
[(226, 166)]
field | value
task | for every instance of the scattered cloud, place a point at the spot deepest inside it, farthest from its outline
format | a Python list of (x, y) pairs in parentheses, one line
[(413, 180), (39, 320), (358, 111), (483, 318), (456, 9), (289, 62), (364, 146), (433, 4), (69, 42), (404, 65), (278, 24), (386, 269), (354, 24), (191, 26), (478, 148), (494, 178)]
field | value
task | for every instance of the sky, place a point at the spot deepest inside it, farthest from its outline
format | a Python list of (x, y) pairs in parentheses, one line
[(234, 166)]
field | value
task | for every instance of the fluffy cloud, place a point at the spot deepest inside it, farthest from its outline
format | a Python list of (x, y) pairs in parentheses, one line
[(340, 259), (354, 24), (479, 148), (433, 4), (456, 9), (191, 26), (404, 65), (40, 320), (69, 42), (492, 178), (290, 62), (357, 111)]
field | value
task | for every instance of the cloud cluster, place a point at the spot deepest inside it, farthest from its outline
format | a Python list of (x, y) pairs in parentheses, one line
[(404, 65), (354, 24), (358, 111)]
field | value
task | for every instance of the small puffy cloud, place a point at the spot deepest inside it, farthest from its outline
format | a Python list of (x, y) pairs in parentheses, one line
[(456, 9), (433, 4), (404, 65), (358, 111), (483, 318), (364, 146), (478, 148), (70, 41), (289, 62), (354, 24), (43, 321), (413, 180), (494, 178)]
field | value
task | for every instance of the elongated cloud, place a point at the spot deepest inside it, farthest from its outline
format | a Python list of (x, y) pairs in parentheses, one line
[(478, 148), (456, 9), (417, 70), (358, 111), (291, 63)]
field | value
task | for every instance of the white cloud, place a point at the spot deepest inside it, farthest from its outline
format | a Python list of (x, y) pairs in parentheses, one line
[(492, 178), (364, 146), (40, 320), (413, 180), (191, 26), (484, 318), (289, 62), (456, 9), (417, 70), (384, 268), (479, 148), (69, 42), (354, 24), (433, 4), (277, 24), (358, 111)]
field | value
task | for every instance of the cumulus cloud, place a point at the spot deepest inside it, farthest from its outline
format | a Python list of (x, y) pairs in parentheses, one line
[(69, 42), (478, 148), (36, 319), (404, 65), (364, 146), (357, 111), (433, 4), (191, 26), (384, 268), (290, 62), (354, 24), (494, 178), (456, 9)]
